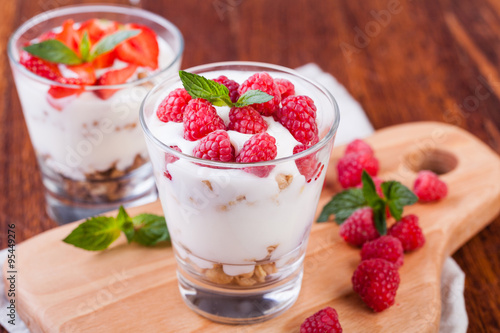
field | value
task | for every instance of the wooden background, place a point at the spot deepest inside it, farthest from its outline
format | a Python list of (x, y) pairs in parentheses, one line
[(423, 60)]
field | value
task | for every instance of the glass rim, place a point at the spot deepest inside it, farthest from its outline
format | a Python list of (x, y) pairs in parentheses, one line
[(233, 165), (94, 8)]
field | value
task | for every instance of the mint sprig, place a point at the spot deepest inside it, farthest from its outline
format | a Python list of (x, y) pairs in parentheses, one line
[(98, 233), (200, 87), (396, 196), (55, 51)]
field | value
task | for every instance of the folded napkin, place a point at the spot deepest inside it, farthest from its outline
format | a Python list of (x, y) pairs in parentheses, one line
[(354, 124)]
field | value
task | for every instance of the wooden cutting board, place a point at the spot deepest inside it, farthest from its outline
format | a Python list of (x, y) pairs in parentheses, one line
[(134, 289)]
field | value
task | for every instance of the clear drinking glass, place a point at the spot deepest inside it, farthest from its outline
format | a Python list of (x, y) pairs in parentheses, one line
[(239, 239), (91, 152)]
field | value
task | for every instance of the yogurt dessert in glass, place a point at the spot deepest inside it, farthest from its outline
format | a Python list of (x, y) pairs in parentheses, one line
[(239, 186), (83, 114)]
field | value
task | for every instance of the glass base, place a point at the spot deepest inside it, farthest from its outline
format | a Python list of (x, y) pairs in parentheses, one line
[(239, 306)]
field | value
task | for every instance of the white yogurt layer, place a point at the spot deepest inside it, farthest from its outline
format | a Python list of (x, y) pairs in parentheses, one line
[(229, 216), (78, 135)]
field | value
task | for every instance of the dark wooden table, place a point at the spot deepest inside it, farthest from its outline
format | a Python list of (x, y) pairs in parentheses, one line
[(402, 60)]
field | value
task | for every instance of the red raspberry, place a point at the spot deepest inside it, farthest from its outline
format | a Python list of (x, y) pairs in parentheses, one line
[(246, 120), (428, 187), (260, 147), (386, 247), (200, 118), (286, 88), (216, 146), (263, 82), (231, 85), (170, 158), (172, 107), (323, 321), (350, 168), (358, 146), (408, 232), (308, 165), (376, 281), (298, 115), (359, 228)]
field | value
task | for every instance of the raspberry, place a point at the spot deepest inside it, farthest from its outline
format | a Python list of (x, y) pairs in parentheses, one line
[(359, 228), (323, 321), (298, 115), (246, 120), (358, 146), (376, 281), (428, 187), (200, 118), (408, 232), (231, 85), (263, 82), (260, 147), (215, 147), (386, 247), (286, 88), (172, 107), (350, 168), (170, 158), (308, 165)]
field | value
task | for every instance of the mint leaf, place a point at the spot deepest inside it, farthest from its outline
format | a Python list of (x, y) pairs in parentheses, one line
[(200, 87), (253, 97), (54, 51), (84, 46), (150, 229), (397, 196), (109, 42), (379, 217), (95, 234), (126, 223), (369, 190), (343, 205)]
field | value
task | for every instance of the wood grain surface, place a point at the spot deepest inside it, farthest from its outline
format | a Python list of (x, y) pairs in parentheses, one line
[(65, 289), (421, 60)]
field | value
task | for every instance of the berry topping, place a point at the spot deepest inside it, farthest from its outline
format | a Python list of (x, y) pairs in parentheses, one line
[(69, 36), (298, 115), (231, 85), (200, 118), (117, 76), (359, 228), (142, 49), (308, 165), (358, 146), (215, 147), (97, 29), (376, 281), (408, 232), (170, 158), (386, 247), (172, 107), (40, 67), (260, 147), (428, 187), (286, 88), (350, 168), (323, 321), (263, 82), (246, 120), (85, 72)]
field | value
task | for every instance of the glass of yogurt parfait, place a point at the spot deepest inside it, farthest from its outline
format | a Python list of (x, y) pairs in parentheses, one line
[(239, 186), (82, 107)]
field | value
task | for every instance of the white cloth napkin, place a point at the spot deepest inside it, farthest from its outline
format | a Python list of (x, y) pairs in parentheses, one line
[(354, 124)]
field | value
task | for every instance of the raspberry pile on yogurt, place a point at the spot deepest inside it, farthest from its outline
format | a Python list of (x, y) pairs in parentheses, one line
[(238, 225)]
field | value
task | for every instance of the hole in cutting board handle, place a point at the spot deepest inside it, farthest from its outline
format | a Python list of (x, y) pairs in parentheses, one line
[(436, 160)]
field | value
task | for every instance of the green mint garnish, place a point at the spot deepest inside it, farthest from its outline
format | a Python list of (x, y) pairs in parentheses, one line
[(396, 196), (54, 51), (57, 52), (200, 87), (98, 233)]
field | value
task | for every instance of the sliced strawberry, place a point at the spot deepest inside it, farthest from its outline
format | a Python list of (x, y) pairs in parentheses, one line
[(142, 49), (85, 72), (105, 60), (47, 35), (61, 92), (97, 29), (113, 77), (69, 36), (40, 67)]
